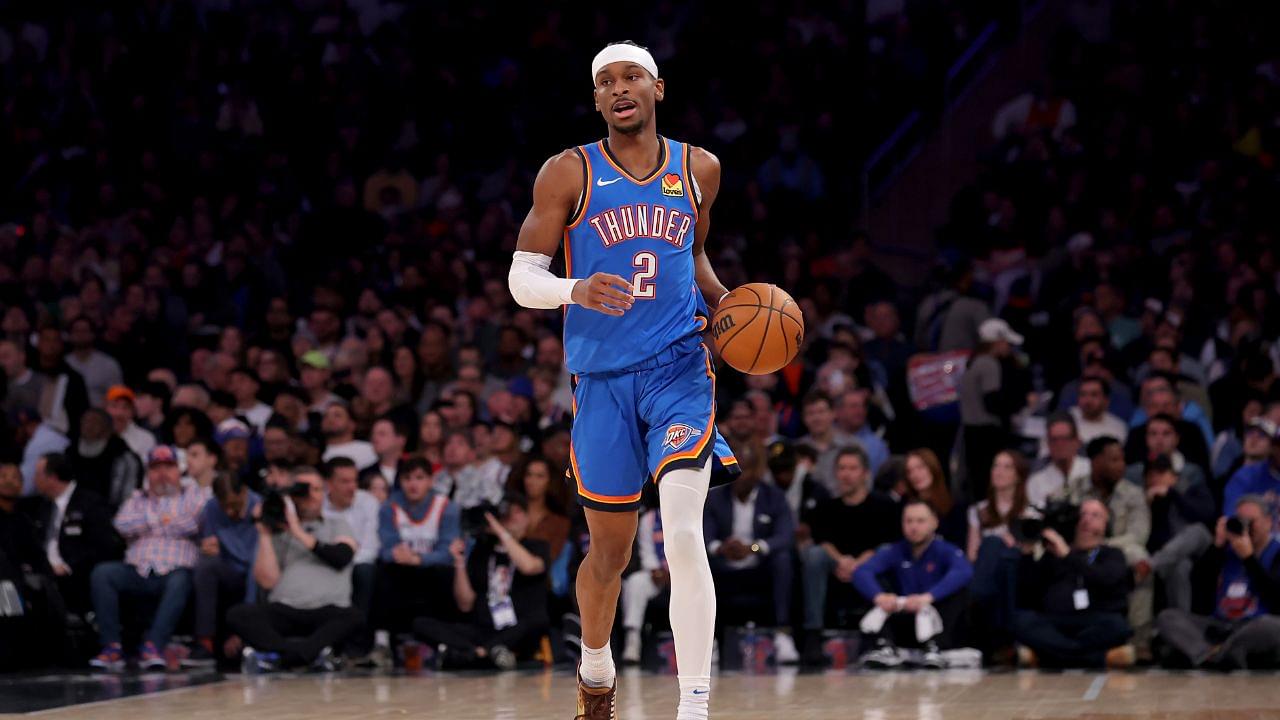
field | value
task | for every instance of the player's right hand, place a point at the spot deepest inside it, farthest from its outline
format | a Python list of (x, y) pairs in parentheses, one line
[(605, 293)]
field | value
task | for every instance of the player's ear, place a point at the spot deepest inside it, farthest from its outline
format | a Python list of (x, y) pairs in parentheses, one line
[(659, 89)]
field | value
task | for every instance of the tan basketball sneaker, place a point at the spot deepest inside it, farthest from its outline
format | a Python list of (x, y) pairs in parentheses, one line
[(596, 703)]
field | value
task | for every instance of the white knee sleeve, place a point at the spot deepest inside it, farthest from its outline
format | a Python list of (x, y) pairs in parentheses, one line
[(693, 595)]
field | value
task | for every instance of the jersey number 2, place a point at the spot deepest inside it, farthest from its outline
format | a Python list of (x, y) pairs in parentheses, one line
[(642, 285)]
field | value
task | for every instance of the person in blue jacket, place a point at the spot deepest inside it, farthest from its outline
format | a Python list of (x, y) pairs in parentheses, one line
[(920, 583), (1261, 479), (416, 528)]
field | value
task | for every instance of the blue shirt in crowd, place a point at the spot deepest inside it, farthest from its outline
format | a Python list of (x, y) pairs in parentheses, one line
[(1238, 598), (1258, 478), (941, 570), (237, 538), (428, 527)]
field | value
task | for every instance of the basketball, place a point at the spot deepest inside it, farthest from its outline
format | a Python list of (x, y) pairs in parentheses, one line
[(758, 328)]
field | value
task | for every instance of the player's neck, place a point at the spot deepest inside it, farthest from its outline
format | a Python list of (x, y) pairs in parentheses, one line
[(638, 151)]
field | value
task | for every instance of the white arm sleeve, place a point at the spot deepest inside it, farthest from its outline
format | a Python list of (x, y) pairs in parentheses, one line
[(533, 285)]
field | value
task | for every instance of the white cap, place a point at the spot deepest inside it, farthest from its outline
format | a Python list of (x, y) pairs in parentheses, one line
[(995, 329), (623, 52)]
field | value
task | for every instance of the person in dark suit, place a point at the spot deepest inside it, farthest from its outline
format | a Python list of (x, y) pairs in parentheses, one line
[(74, 525), (750, 533)]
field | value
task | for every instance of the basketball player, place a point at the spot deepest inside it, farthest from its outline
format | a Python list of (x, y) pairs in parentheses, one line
[(633, 211)]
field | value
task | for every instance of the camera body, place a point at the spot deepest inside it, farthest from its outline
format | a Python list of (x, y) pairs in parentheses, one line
[(273, 507), (1057, 515)]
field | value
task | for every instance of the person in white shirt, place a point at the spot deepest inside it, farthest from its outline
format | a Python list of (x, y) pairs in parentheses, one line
[(339, 430), (120, 406), (244, 386), (1093, 398), (1065, 463), (343, 499), (464, 480)]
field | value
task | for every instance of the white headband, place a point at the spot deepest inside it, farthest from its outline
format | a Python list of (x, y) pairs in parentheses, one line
[(623, 52)]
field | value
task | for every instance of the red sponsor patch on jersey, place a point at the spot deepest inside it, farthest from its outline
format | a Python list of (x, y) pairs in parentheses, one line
[(679, 435), (672, 185)]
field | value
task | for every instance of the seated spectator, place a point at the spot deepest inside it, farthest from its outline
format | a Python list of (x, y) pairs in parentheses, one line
[(926, 481), (305, 568), (1163, 441), (415, 529), (1182, 510), (102, 461), (343, 499), (789, 467), (993, 549), (339, 429), (1092, 414), (388, 440), (851, 419), (28, 632), (917, 586), (202, 459), (1253, 446), (749, 534), (846, 532), (244, 387), (650, 580), (823, 437), (37, 438), (546, 503), (988, 398), (1243, 632), (1160, 398), (1066, 466), (159, 522), (1130, 518), (233, 438), (507, 572), (1260, 478), (1072, 598), (228, 546), (463, 479), (120, 406), (74, 526)]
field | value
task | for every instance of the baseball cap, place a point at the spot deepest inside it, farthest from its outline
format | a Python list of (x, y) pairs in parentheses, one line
[(119, 392), (521, 386), (1264, 426), (231, 429), (315, 359), (994, 329), (161, 454)]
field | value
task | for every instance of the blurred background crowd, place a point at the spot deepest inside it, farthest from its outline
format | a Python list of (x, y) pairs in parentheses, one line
[(265, 391)]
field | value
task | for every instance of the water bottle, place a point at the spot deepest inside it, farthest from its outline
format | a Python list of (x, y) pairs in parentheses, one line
[(748, 646)]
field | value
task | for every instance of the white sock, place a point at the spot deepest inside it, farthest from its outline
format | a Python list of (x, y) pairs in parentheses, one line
[(381, 638), (597, 668), (695, 692), (693, 594)]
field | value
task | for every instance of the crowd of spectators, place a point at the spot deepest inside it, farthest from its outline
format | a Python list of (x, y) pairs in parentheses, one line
[(265, 391)]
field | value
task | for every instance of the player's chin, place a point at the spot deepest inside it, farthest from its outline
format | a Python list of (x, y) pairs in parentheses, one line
[(629, 126)]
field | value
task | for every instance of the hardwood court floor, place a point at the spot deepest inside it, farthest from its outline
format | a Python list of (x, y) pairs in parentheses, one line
[(886, 696)]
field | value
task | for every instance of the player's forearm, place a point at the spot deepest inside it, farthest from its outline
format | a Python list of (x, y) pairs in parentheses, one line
[(533, 285)]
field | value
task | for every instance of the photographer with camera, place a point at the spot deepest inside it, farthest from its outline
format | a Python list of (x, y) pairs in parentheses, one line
[(1243, 632), (416, 527), (501, 589), (304, 563), (1073, 595)]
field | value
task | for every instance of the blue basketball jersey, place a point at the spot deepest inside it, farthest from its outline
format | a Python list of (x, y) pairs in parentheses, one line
[(641, 229)]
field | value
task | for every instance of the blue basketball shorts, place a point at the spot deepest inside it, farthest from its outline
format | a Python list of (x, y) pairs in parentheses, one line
[(643, 422)]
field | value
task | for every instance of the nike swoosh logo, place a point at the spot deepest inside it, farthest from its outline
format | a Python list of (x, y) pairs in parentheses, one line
[(695, 692), (601, 182)]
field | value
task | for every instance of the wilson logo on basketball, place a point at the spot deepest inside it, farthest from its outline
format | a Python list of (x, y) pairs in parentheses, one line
[(672, 185), (721, 326), (679, 435)]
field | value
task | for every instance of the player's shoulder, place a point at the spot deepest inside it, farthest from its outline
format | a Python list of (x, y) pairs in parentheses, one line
[(567, 161), (704, 165)]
